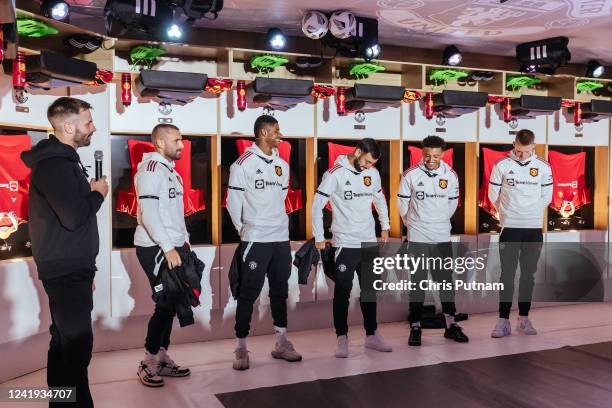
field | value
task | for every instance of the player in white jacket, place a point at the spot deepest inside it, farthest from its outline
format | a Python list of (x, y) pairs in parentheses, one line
[(427, 199), (352, 185), (520, 187), (257, 188), (161, 229)]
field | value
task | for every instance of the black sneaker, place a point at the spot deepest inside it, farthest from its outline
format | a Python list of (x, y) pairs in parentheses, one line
[(455, 333), (415, 336)]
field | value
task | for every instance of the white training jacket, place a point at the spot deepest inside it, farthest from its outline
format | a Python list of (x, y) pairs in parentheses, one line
[(351, 194), (521, 190), (161, 219), (427, 199), (256, 194)]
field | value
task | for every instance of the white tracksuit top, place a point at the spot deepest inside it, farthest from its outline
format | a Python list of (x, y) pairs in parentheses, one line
[(161, 219), (427, 199), (256, 194), (521, 191), (351, 194)]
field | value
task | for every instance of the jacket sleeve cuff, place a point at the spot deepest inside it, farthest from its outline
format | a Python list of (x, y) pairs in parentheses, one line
[(166, 246), (97, 199)]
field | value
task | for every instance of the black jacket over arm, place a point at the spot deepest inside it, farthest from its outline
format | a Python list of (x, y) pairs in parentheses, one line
[(62, 210)]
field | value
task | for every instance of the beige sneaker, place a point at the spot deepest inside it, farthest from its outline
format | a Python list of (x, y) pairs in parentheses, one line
[(285, 351), (241, 361)]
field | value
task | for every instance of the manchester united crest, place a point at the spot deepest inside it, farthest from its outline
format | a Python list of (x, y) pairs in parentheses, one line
[(533, 171), (367, 180), (443, 183), (278, 170)]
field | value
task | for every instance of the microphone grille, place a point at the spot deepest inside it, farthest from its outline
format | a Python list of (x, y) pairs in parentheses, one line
[(98, 155)]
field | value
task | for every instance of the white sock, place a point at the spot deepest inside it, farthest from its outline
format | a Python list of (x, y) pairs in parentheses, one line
[(503, 320), (150, 357), (161, 354), (242, 342), (415, 324), (281, 334), (450, 320), (523, 318)]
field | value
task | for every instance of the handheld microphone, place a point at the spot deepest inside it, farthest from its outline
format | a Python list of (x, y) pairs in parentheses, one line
[(98, 158)]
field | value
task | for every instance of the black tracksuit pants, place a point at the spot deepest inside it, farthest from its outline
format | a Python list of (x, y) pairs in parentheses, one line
[(70, 304), (348, 262), (160, 324), (261, 259), (417, 296), (522, 246)]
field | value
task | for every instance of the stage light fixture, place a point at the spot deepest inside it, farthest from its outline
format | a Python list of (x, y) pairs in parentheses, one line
[(275, 39), (451, 56), (174, 32), (594, 69), (543, 56), (372, 52), (56, 9)]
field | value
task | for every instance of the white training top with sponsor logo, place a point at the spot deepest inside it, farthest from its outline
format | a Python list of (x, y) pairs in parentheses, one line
[(521, 190), (351, 194), (256, 194), (427, 199), (161, 219)]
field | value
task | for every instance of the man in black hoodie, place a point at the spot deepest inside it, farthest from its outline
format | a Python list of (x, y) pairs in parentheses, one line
[(62, 207)]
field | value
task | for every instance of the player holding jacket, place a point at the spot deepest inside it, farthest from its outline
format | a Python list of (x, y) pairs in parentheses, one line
[(257, 188), (352, 185), (161, 230), (427, 199), (520, 187)]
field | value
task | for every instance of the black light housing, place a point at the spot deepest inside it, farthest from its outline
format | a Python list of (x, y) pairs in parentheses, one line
[(594, 69), (451, 56), (56, 9), (543, 56), (276, 39), (363, 44)]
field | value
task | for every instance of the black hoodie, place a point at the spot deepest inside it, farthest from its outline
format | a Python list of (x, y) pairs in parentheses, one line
[(62, 210)]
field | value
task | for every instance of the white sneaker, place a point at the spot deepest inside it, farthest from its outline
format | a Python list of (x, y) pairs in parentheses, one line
[(342, 350), (524, 326), (148, 373), (502, 329), (376, 342), (168, 368)]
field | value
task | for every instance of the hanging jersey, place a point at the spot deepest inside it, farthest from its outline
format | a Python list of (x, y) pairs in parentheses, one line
[(256, 194), (489, 158), (14, 183), (569, 186), (520, 191), (351, 194), (193, 200), (161, 219), (427, 199)]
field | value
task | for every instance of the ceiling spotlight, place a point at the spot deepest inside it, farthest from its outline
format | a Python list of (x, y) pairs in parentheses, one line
[(55, 9), (452, 56), (594, 69), (174, 32), (275, 39), (372, 52)]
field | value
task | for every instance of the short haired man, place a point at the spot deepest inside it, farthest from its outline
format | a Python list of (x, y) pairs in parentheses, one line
[(257, 188), (352, 185), (160, 232), (63, 226), (520, 187), (427, 199)]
